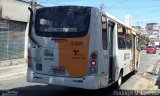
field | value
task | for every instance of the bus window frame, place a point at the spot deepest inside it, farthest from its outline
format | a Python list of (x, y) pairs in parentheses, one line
[(122, 37), (129, 37), (104, 33), (59, 34)]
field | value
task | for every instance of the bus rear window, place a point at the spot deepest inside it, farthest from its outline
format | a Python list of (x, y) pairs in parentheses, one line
[(62, 22)]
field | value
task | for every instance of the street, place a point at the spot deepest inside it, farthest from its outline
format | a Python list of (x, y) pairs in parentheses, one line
[(19, 83)]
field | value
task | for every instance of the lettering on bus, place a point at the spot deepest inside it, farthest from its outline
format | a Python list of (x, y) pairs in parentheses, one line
[(48, 52), (126, 56), (49, 59), (57, 40), (79, 43), (48, 55), (78, 58)]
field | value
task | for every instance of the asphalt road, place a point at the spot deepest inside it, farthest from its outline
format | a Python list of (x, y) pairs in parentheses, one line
[(25, 88), (147, 59)]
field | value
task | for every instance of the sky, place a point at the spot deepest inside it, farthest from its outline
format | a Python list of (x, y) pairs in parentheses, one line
[(142, 11)]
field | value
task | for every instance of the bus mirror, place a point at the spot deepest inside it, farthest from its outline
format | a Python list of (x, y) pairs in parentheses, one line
[(104, 19)]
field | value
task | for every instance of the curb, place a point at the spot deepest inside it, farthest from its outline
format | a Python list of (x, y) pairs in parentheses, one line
[(12, 62), (148, 78), (11, 76), (155, 71), (10, 72), (12, 67)]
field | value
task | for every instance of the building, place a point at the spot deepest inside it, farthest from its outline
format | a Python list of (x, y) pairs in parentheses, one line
[(128, 20), (14, 16), (153, 30), (159, 32), (140, 30)]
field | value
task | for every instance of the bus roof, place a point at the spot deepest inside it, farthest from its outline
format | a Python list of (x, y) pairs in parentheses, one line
[(119, 21)]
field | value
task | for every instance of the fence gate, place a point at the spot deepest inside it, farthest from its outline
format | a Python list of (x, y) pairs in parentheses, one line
[(12, 35)]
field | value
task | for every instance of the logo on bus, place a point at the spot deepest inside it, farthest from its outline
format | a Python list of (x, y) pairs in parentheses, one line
[(75, 52)]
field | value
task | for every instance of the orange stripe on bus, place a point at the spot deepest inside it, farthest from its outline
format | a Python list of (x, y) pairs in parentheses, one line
[(73, 55)]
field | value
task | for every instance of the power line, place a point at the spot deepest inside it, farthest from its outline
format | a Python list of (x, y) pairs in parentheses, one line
[(53, 2), (102, 5), (139, 7), (50, 1), (148, 13), (146, 17), (68, 0), (120, 1)]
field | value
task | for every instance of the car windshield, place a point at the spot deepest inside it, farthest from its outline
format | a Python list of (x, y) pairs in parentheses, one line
[(151, 47)]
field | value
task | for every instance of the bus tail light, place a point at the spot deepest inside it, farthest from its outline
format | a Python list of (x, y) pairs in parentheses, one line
[(92, 69), (29, 58), (93, 55), (93, 63), (29, 55)]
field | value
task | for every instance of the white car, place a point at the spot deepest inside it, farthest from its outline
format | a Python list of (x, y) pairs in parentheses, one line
[(157, 48)]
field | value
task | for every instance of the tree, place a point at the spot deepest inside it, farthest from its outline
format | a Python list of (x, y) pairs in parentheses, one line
[(142, 40)]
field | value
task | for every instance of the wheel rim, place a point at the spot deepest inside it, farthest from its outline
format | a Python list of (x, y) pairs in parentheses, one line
[(120, 80), (136, 68)]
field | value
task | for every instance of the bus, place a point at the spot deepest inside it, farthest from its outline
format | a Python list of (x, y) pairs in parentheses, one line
[(79, 46)]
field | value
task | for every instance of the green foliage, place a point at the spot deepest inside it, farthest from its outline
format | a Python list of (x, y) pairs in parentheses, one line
[(142, 40)]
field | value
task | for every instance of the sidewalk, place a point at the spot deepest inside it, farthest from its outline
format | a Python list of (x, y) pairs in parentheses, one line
[(12, 62), (156, 82), (149, 80), (146, 81), (12, 69)]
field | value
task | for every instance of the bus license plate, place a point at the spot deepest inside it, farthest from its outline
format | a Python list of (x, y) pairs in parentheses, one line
[(58, 71)]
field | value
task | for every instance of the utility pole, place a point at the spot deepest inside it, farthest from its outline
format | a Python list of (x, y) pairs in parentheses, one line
[(33, 4), (138, 23), (33, 7), (102, 5), (138, 26)]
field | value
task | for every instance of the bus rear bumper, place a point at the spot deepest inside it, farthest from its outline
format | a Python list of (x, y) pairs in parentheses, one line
[(88, 82)]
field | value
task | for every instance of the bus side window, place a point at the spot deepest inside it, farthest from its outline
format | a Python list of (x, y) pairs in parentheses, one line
[(104, 32), (121, 43), (128, 39), (121, 37)]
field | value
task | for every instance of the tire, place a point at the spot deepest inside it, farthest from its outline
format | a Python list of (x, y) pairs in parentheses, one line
[(119, 81), (136, 69)]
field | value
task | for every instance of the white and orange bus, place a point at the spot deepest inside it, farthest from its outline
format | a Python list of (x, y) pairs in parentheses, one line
[(79, 46)]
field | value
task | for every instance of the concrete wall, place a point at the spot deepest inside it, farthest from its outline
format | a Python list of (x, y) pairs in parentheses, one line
[(26, 42), (14, 10)]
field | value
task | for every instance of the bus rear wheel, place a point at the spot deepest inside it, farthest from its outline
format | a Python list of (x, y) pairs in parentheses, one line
[(136, 68), (119, 81)]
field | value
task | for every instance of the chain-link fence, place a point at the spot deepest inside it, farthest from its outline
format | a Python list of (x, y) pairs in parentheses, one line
[(12, 35)]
